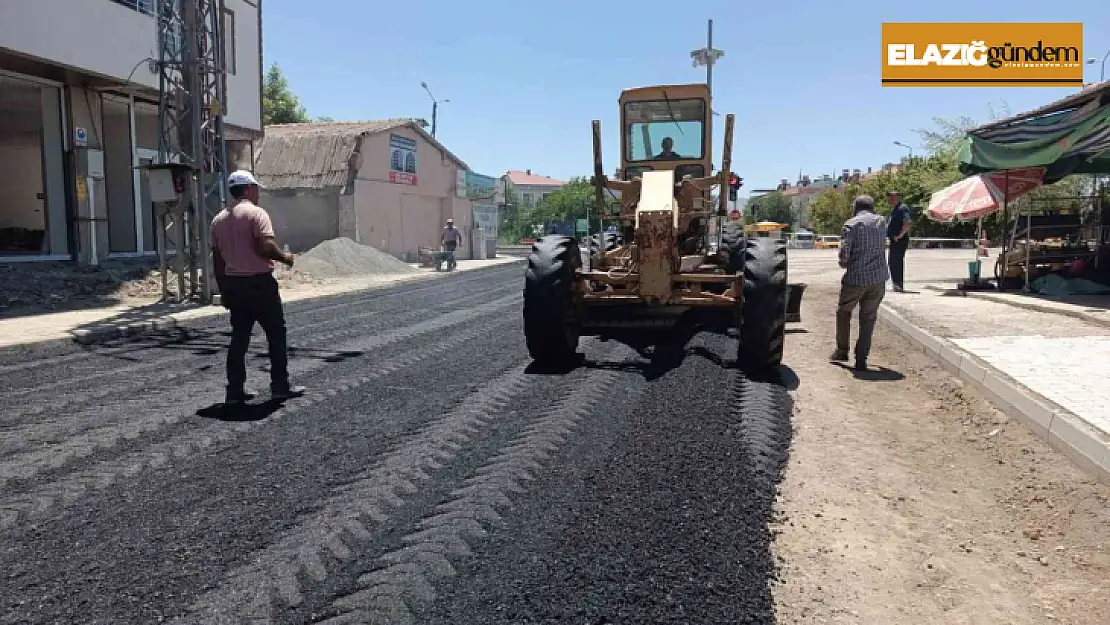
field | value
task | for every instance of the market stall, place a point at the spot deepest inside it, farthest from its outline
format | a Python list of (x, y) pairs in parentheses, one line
[(1067, 137)]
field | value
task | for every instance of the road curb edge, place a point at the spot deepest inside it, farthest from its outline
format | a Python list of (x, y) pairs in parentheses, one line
[(1087, 447)]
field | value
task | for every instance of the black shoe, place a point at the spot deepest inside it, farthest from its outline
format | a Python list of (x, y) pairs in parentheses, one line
[(838, 356), (285, 391), (861, 365), (238, 397)]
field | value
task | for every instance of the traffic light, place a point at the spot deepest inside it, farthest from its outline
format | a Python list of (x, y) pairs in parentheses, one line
[(734, 184)]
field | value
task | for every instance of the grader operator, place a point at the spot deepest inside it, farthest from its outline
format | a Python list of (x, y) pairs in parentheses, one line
[(675, 250)]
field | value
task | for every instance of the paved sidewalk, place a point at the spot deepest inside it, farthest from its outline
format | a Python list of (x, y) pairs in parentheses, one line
[(1043, 362), (103, 324)]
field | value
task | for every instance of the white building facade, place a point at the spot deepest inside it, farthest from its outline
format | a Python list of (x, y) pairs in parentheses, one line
[(77, 76)]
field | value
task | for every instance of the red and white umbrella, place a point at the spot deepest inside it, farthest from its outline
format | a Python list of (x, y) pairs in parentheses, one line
[(982, 194)]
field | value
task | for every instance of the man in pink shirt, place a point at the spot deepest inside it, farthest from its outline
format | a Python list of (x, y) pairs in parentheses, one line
[(243, 255)]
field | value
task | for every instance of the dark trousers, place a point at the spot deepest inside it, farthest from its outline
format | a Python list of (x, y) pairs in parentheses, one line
[(897, 260), (252, 299), (868, 299)]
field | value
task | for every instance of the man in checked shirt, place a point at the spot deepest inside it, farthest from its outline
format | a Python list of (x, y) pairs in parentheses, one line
[(863, 257)]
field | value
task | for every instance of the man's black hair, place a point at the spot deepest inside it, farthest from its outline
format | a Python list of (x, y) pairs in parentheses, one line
[(239, 191)]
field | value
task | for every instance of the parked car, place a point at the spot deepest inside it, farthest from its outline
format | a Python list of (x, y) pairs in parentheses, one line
[(827, 241)]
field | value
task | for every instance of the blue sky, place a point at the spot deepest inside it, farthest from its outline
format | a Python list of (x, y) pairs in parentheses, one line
[(525, 79)]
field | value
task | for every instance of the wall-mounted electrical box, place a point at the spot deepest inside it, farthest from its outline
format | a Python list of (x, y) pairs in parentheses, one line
[(165, 182), (90, 163)]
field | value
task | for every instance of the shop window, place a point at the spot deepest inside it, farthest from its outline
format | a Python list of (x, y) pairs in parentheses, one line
[(147, 140), (31, 169), (119, 179), (228, 28)]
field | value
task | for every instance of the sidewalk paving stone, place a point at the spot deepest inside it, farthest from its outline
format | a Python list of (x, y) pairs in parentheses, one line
[(1047, 369)]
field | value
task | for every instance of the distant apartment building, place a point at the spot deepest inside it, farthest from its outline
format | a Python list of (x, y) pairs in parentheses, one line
[(532, 188), (77, 77), (807, 189)]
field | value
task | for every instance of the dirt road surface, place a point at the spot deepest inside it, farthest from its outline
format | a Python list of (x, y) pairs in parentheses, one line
[(910, 500)]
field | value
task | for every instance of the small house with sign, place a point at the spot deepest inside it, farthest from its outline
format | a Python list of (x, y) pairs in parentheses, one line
[(387, 184)]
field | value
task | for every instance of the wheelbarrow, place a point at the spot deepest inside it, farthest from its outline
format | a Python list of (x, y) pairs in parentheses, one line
[(446, 256)]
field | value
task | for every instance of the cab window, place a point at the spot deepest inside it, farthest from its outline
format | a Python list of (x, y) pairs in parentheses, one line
[(665, 130)]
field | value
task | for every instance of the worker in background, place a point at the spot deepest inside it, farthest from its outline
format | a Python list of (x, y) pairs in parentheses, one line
[(243, 254), (898, 230), (863, 257), (448, 242)]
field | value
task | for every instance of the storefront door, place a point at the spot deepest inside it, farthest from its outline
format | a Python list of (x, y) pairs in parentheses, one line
[(33, 221)]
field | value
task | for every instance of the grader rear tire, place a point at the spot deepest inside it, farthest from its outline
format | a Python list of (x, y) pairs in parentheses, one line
[(549, 329), (763, 325)]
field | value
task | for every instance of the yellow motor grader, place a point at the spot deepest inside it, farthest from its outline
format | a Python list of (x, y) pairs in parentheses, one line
[(674, 250)]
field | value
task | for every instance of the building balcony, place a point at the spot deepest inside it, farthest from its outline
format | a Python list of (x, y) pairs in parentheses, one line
[(146, 7)]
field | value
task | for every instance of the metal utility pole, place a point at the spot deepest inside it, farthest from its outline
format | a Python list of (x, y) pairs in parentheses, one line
[(192, 104), (707, 56), (435, 106)]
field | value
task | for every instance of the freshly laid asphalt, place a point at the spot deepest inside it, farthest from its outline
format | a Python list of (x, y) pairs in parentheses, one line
[(430, 475)]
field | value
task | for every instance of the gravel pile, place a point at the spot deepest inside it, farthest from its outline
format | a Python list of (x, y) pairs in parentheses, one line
[(343, 257)]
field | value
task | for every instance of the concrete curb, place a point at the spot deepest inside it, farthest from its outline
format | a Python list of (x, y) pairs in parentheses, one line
[(98, 334), (1086, 446), (1029, 305)]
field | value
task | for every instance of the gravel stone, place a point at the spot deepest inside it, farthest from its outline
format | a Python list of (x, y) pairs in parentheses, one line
[(343, 257)]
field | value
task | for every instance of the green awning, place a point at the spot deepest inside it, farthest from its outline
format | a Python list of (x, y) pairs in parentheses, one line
[(1070, 136)]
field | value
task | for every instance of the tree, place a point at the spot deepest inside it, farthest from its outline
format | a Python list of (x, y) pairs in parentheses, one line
[(279, 104), (773, 206), (574, 201)]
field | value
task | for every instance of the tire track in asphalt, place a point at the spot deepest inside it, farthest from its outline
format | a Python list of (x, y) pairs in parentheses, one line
[(763, 411), (654, 515), (407, 580), (26, 465), (155, 374), (43, 499), (295, 311), (150, 395), (248, 594)]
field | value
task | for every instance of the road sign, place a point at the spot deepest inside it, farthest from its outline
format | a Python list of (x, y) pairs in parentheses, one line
[(80, 137), (580, 225), (734, 214)]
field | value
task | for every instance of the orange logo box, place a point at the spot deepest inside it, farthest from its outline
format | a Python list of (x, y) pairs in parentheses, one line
[(982, 55)]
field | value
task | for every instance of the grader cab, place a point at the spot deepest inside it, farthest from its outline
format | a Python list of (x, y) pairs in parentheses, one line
[(674, 249)]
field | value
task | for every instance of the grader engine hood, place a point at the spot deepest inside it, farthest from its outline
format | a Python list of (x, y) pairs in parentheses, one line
[(656, 229)]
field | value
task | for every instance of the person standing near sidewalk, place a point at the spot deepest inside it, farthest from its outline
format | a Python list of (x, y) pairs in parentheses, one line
[(243, 255), (862, 255), (449, 242), (898, 231)]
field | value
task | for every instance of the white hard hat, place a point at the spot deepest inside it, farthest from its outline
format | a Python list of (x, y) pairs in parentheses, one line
[(242, 178)]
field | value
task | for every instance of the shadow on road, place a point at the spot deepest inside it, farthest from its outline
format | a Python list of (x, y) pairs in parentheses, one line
[(205, 343), (663, 351), (873, 374), (243, 413)]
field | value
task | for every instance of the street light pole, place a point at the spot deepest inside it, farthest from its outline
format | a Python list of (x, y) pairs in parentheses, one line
[(1102, 68), (910, 148), (707, 56), (435, 106), (709, 66)]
